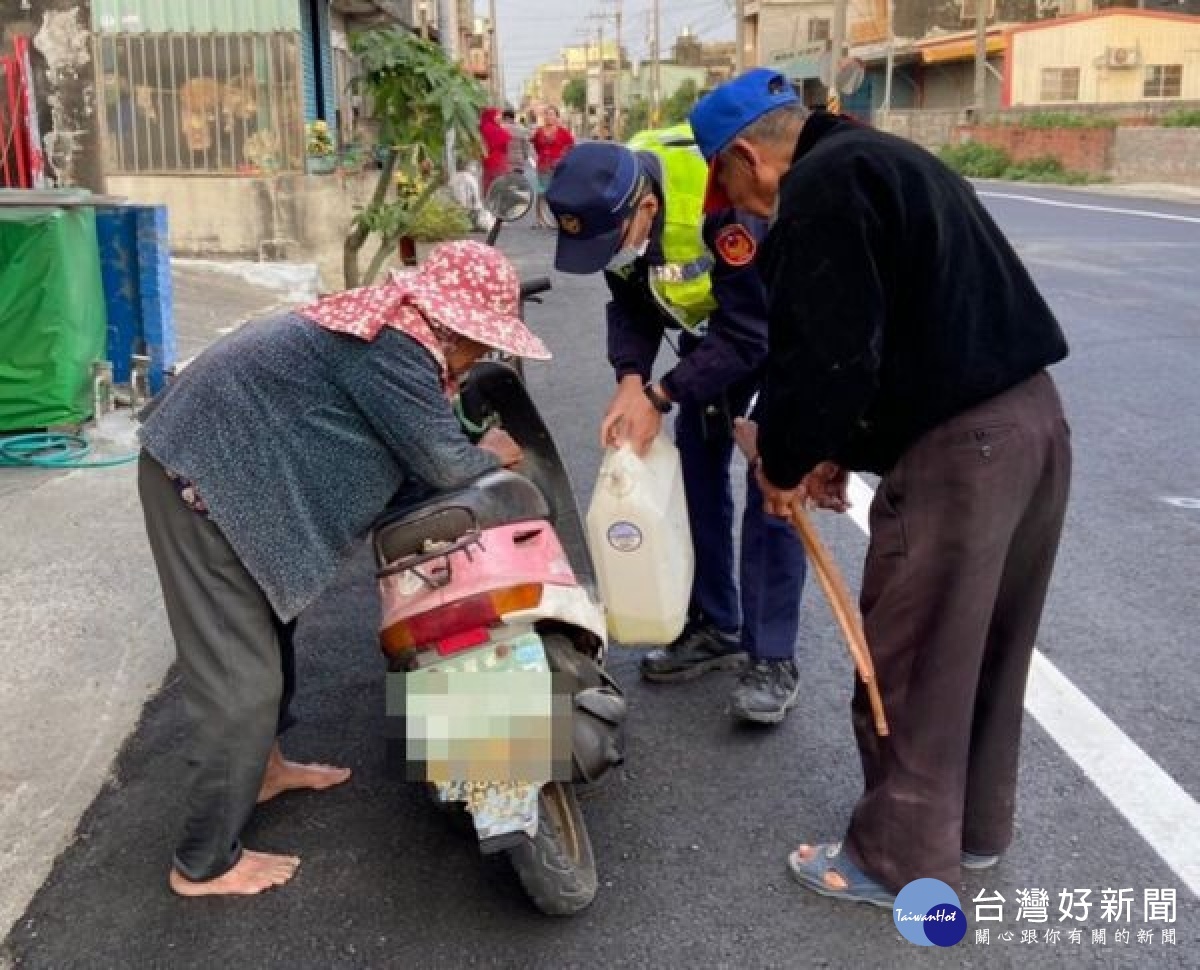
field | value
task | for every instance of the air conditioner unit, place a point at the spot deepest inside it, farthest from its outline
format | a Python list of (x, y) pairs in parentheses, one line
[(1119, 58)]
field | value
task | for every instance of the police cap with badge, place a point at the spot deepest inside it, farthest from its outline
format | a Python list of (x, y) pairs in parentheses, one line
[(593, 192)]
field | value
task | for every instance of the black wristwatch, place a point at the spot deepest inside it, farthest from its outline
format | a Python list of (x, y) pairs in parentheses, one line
[(661, 404)]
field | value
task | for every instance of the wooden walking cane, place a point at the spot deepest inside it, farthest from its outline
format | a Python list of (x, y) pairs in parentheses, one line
[(844, 611)]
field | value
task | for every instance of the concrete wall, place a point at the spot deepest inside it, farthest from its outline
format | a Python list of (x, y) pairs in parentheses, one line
[(931, 129), (1156, 155), (301, 218), (64, 80)]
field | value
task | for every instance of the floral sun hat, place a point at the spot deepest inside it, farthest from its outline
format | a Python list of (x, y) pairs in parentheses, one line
[(465, 287)]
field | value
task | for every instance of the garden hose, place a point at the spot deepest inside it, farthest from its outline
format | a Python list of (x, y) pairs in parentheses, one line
[(53, 450)]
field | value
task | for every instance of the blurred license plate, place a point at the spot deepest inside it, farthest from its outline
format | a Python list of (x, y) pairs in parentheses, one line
[(488, 714), (481, 725)]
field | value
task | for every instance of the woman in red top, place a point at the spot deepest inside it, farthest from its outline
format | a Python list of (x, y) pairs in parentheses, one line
[(551, 142), (495, 146)]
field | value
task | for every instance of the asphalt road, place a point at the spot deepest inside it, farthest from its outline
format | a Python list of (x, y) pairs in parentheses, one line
[(691, 840)]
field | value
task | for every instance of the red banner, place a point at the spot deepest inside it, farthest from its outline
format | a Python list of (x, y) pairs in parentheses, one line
[(22, 164)]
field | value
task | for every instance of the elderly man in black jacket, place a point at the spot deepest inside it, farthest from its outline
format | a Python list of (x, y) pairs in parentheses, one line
[(906, 339)]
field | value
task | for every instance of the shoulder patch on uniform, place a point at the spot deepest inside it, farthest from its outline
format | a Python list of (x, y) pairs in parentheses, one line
[(735, 245)]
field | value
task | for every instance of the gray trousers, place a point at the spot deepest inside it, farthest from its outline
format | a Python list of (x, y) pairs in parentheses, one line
[(964, 532), (228, 642)]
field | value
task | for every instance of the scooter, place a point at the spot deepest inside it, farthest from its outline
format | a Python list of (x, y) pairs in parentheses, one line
[(495, 640)]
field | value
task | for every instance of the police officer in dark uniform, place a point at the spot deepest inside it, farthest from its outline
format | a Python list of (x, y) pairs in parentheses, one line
[(636, 213)]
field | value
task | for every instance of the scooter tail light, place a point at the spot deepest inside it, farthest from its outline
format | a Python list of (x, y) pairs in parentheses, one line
[(427, 630)]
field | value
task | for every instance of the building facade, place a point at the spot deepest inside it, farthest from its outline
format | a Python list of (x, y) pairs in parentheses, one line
[(1111, 57), (196, 86), (1139, 60)]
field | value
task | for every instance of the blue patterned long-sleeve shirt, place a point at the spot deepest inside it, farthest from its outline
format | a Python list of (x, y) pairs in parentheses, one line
[(297, 438)]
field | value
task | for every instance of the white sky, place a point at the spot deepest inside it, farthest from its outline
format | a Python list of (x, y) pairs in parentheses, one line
[(532, 32)]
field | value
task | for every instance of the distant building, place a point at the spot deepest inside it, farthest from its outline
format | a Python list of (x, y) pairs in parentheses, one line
[(672, 76), (717, 58), (1114, 56), (1118, 57), (611, 91)]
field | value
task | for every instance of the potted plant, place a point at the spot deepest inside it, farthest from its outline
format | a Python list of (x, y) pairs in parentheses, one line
[(440, 219), (320, 156)]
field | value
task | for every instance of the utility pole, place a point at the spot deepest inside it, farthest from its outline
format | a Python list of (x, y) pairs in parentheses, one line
[(617, 114), (656, 92), (891, 57), (600, 112), (448, 27), (450, 38), (980, 60), (838, 41), (602, 19), (497, 76), (739, 55)]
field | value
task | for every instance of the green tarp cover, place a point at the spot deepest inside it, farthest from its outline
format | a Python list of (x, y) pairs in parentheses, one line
[(52, 319)]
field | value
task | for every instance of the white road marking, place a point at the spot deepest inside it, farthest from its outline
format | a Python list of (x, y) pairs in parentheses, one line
[(1114, 210), (1159, 810)]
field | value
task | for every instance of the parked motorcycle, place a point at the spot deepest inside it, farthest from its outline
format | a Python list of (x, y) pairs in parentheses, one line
[(495, 639)]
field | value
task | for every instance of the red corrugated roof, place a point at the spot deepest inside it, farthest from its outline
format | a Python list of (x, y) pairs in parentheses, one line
[(1111, 12)]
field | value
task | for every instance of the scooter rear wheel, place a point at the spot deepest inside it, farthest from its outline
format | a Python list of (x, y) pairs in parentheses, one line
[(556, 867)]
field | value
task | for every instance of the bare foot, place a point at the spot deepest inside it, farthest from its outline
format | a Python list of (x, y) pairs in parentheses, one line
[(283, 775), (832, 878), (254, 873)]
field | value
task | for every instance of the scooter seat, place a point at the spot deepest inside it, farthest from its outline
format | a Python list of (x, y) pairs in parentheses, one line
[(496, 498)]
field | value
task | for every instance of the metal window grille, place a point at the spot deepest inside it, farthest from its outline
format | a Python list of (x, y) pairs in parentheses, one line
[(1060, 84), (1163, 81), (201, 103)]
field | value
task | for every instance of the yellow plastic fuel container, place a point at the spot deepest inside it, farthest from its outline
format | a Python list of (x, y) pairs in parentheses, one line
[(641, 543)]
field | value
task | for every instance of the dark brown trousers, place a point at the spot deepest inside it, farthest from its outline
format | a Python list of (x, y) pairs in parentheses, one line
[(964, 532)]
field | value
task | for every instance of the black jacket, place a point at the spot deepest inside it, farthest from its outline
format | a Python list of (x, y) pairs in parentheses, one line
[(895, 302), (730, 356)]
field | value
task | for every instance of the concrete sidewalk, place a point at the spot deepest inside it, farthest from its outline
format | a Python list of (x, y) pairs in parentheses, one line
[(83, 634), (83, 637)]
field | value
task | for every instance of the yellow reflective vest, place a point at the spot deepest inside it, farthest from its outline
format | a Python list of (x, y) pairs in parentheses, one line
[(683, 285)]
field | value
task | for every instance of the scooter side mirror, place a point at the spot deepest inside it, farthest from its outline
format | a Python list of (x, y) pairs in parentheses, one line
[(509, 198)]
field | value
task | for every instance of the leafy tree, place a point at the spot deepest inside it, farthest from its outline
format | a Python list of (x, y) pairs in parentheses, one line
[(574, 94), (417, 95), (679, 105)]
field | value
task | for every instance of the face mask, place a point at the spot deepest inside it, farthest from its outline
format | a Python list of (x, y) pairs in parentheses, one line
[(626, 256)]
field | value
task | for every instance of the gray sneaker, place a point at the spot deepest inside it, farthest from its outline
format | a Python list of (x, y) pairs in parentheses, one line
[(701, 647), (766, 691)]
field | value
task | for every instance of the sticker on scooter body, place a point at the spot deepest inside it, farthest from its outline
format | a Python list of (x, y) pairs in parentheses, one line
[(487, 728)]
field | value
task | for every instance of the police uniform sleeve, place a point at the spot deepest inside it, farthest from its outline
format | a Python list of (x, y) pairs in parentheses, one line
[(735, 346), (633, 339), (823, 268)]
